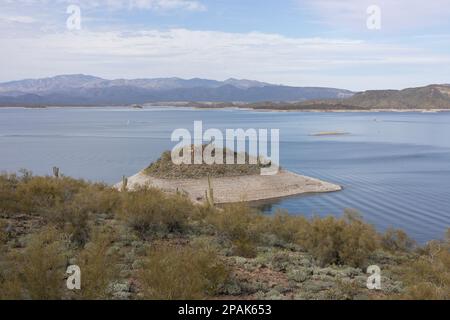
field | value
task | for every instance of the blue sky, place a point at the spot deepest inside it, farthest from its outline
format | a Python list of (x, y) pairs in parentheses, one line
[(293, 42)]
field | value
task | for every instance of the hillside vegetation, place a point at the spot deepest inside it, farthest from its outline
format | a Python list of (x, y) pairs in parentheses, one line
[(165, 168), (146, 244)]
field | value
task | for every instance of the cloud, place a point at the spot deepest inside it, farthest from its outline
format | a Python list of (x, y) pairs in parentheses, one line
[(18, 19), (163, 5), (396, 14), (156, 5), (218, 55)]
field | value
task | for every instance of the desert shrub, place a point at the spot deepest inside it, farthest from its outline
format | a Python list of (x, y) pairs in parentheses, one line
[(241, 225), (151, 210), (396, 240), (42, 265), (322, 239), (245, 247), (201, 212), (178, 273), (9, 203), (3, 233), (344, 290), (71, 217), (428, 276), (98, 265), (286, 227), (10, 286), (98, 199), (347, 240), (38, 193), (359, 240)]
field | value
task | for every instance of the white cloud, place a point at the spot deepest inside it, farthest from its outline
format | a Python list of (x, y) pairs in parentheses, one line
[(158, 5), (18, 19), (396, 14), (354, 64), (161, 4)]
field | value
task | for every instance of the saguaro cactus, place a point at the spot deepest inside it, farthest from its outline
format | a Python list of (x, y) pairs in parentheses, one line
[(124, 183), (56, 172)]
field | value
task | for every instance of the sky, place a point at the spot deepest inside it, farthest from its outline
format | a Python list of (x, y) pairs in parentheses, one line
[(351, 44)]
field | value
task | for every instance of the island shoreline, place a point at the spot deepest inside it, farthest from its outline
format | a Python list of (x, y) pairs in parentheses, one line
[(249, 188)]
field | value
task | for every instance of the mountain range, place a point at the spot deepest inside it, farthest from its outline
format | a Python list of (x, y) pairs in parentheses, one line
[(79, 90), (85, 90)]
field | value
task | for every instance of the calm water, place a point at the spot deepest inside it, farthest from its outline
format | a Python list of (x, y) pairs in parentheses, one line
[(395, 168)]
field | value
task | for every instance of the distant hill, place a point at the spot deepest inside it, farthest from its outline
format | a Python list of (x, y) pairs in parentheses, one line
[(427, 98), (89, 90)]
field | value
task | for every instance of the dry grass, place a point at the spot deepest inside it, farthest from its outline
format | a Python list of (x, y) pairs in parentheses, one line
[(241, 225), (151, 210), (428, 276), (98, 265), (178, 273), (396, 240), (347, 240), (286, 227), (38, 272)]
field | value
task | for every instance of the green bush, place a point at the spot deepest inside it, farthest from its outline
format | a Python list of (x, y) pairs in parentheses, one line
[(3, 233), (359, 241), (37, 194), (151, 210), (344, 290), (428, 276), (38, 271), (347, 240), (396, 240), (72, 218), (178, 273), (9, 202), (287, 227), (73, 215), (98, 265), (99, 199), (241, 225)]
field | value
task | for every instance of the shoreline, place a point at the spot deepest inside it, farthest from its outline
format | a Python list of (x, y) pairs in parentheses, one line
[(251, 188), (391, 110)]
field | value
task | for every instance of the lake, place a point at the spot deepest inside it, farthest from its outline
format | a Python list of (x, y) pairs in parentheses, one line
[(394, 167)]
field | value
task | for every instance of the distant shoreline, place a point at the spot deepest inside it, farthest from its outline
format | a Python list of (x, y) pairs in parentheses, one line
[(243, 108)]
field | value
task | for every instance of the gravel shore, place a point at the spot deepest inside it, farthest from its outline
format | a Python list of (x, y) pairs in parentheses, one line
[(236, 189)]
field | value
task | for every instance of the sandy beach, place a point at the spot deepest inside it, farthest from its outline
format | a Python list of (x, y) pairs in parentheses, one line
[(236, 189)]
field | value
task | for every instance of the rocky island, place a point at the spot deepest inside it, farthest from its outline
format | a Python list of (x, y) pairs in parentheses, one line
[(227, 183)]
